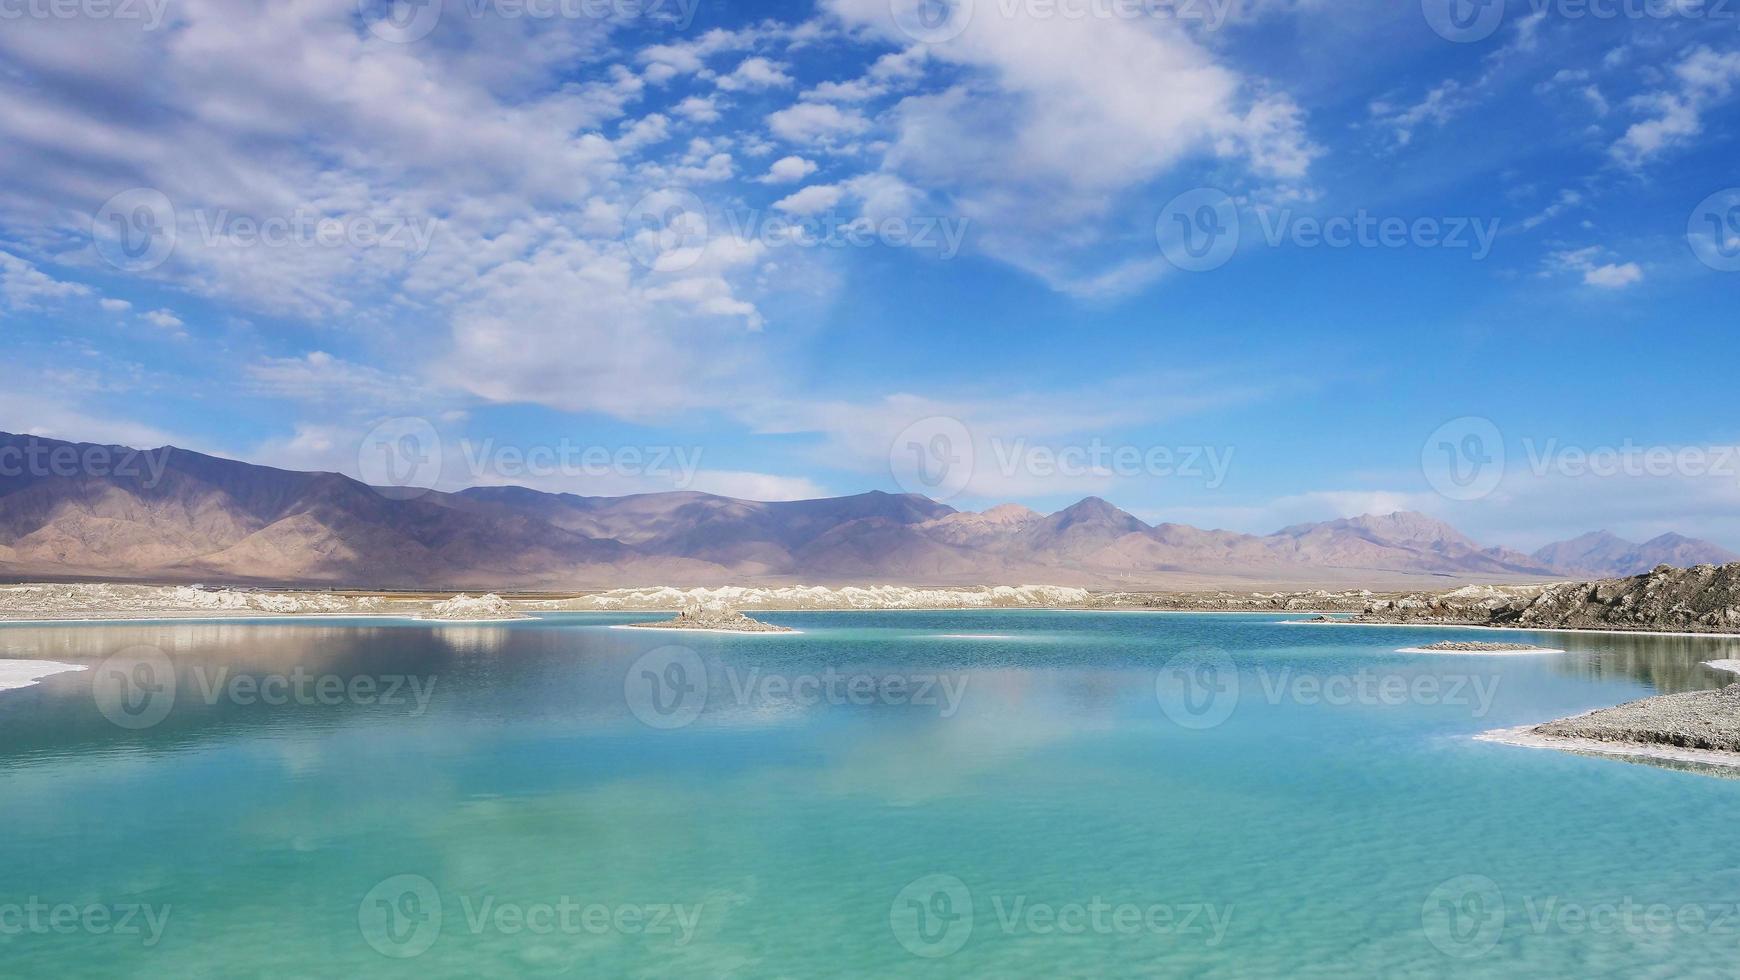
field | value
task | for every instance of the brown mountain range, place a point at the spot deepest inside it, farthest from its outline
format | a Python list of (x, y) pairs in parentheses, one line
[(74, 510)]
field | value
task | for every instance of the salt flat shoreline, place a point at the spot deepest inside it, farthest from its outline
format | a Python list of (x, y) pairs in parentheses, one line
[(1525, 736), (1479, 653), (18, 674), (1516, 629), (98, 604), (698, 629)]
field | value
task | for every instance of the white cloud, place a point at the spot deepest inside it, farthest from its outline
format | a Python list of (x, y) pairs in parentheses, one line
[(1674, 117), (786, 170), (1054, 120), (813, 122), (1010, 434), (811, 200), (322, 379), (114, 305), (1613, 276), (55, 418), (1566, 200), (690, 57), (756, 486), (1592, 264), (25, 287), (165, 320), (754, 74), (644, 132), (697, 109)]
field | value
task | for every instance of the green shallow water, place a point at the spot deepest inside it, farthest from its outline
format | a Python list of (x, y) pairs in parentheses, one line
[(1020, 793)]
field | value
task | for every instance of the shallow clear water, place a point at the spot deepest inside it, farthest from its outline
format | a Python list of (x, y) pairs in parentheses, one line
[(1011, 793)]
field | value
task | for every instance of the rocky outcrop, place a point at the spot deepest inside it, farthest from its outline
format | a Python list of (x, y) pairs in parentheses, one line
[(1695, 720), (466, 609), (715, 616), (1700, 599), (1480, 646), (1311, 601)]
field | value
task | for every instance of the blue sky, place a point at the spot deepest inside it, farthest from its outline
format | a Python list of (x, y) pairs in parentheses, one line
[(795, 245)]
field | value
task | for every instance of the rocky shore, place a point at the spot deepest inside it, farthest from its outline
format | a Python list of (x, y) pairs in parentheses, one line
[(715, 617), (1699, 730), (1481, 646), (466, 609), (1316, 600), (1700, 599), (1693, 720)]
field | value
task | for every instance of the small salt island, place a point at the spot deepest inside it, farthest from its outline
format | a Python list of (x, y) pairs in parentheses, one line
[(1478, 646), (1697, 727), (714, 617), (462, 608)]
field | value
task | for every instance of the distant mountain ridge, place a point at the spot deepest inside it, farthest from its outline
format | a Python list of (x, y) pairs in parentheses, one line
[(1605, 555), (196, 517)]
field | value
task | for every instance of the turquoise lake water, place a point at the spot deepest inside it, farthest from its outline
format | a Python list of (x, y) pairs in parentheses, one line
[(924, 794)]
